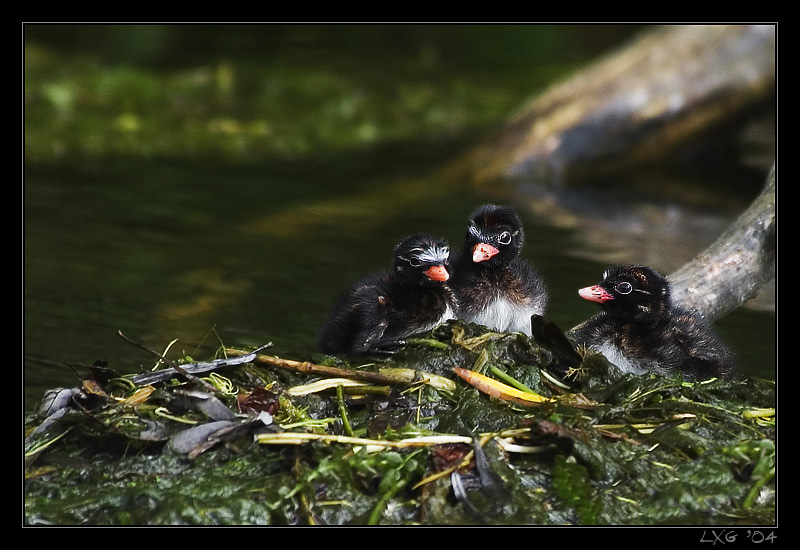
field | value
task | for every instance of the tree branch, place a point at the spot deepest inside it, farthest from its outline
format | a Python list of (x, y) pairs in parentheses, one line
[(737, 265)]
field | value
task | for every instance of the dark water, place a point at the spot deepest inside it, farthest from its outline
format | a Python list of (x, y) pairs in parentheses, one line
[(244, 256)]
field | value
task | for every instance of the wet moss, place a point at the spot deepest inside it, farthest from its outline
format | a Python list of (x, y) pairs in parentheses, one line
[(643, 450)]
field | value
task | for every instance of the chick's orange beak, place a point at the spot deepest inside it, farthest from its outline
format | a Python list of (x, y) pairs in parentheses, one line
[(437, 273), (595, 293), (482, 252)]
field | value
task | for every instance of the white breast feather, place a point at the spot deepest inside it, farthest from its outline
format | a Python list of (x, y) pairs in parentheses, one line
[(506, 316), (615, 356)]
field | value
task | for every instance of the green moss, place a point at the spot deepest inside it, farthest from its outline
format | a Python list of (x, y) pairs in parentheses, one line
[(658, 451)]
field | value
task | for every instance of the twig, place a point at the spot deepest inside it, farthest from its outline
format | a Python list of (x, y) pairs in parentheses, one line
[(298, 438), (173, 365), (191, 369), (160, 356), (393, 376), (343, 411)]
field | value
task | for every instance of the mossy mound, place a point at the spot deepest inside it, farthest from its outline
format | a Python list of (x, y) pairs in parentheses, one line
[(396, 441)]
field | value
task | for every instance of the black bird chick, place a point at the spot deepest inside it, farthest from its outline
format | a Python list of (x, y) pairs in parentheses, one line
[(493, 285), (379, 311), (640, 330)]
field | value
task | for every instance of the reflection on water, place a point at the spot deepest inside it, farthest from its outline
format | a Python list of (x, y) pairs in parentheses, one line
[(220, 256)]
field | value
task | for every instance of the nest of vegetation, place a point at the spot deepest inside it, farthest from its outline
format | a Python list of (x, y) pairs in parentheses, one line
[(460, 427)]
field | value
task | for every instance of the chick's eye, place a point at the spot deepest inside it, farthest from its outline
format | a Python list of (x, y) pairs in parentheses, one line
[(504, 238), (624, 288), (414, 261)]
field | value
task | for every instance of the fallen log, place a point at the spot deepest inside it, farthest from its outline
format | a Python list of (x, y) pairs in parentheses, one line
[(672, 85)]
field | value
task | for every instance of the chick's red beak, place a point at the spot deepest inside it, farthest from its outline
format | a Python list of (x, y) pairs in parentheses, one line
[(482, 252), (437, 273), (595, 293)]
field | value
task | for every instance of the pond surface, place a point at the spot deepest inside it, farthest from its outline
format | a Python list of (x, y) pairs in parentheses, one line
[(209, 255), (243, 253)]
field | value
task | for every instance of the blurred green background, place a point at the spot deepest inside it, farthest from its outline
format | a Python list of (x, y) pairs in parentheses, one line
[(243, 93)]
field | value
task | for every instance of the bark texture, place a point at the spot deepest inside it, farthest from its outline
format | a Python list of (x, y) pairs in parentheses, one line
[(737, 265), (672, 85)]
